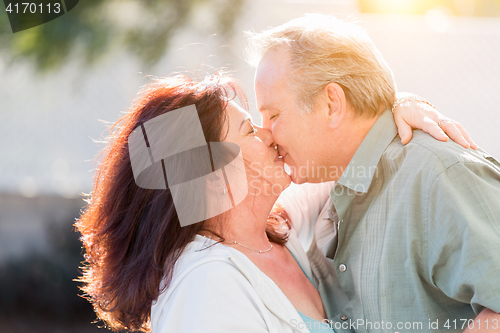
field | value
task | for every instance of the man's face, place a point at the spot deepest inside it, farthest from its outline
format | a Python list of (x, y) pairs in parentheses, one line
[(298, 135)]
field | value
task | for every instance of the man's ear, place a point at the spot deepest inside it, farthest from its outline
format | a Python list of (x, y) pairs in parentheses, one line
[(336, 104)]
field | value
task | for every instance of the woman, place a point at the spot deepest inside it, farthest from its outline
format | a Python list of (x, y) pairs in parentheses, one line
[(240, 271)]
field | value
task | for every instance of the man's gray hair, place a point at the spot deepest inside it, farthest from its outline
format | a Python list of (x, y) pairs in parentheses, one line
[(324, 49)]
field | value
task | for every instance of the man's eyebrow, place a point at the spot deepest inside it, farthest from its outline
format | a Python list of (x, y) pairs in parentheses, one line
[(244, 120)]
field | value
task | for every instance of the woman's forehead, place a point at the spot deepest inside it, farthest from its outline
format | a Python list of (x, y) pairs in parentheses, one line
[(235, 116), (237, 113)]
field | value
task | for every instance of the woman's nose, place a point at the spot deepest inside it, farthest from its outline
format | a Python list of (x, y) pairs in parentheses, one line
[(266, 136)]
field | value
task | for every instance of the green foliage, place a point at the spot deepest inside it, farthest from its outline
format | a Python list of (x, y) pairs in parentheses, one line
[(144, 27)]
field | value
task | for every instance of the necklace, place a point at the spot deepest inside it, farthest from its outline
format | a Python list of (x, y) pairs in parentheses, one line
[(235, 242)]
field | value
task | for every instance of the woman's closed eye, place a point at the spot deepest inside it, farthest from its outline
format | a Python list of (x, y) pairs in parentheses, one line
[(252, 130)]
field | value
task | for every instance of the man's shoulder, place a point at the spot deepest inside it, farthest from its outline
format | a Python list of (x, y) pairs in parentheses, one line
[(425, 151)]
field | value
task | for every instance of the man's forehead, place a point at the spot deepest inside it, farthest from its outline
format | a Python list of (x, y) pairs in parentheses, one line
[(268, 71), (266, 101), (270, 80), (272, 66)]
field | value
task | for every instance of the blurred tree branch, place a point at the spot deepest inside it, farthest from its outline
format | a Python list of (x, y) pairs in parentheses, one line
[(144, 27)]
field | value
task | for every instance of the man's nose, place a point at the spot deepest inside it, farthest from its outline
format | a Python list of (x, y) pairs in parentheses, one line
[(266, 123), (265, 135)]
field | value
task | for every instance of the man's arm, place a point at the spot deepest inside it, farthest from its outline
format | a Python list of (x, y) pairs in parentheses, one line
[(464, 233), (486, 321)]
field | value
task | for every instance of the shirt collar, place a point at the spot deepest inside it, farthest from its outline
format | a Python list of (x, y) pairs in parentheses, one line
[(359, 173)]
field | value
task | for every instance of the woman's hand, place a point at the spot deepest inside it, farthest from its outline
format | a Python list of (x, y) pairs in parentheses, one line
[(419, 115)]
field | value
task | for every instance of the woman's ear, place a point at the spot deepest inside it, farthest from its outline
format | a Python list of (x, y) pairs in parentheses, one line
[(336, 104)]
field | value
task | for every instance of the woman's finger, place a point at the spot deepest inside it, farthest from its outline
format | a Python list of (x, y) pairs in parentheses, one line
[(466, 135), (431, 127), (404, 129), (453, 132)]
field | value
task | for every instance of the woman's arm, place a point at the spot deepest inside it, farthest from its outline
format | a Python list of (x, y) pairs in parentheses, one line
[(421, 115)]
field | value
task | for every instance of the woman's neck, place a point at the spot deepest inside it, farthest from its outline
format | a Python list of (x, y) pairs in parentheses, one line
[(247, 222)]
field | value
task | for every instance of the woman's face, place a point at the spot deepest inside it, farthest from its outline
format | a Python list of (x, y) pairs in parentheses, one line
[(265, 169)]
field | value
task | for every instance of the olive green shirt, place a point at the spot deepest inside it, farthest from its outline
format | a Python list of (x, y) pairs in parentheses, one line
[(413, 240)]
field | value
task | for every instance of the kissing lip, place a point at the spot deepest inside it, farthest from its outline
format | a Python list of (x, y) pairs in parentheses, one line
[(281, 152)]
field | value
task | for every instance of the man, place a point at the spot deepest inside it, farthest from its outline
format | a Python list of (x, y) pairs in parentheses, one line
[(412, 242)]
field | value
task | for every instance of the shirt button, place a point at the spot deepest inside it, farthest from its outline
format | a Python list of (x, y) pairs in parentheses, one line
[(342, 268), (343, 318)]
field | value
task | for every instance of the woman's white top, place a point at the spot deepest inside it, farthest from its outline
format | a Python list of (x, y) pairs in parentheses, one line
[(220, 290)]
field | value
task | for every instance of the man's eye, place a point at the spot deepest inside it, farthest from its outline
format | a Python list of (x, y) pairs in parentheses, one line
[(273, 116), (252, 130)]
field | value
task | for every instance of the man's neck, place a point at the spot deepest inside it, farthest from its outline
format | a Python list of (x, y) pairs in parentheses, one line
[(348, 138)]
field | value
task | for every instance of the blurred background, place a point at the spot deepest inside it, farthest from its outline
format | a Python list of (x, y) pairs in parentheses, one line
[(61, 83)]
